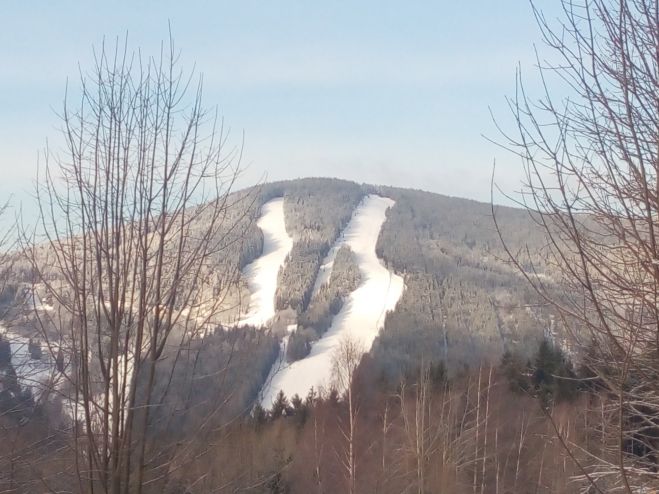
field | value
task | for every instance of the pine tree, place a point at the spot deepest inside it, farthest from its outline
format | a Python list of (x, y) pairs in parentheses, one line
[(259, 415), (34, 348), (312, 398), (59, 361), (280, 407), (300, 410), (5, 353), (551, 367)]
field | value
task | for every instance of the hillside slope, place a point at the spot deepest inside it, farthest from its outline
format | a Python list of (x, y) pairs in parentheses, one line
[(361, 316), (461, 300)]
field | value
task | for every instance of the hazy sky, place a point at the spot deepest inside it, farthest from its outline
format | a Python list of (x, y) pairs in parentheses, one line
[(374, 91)]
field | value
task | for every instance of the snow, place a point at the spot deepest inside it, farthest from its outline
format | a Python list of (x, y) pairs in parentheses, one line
[(33, 374), (41, 375), (325, 270), (39, 305), (361, 317), (262, 274)]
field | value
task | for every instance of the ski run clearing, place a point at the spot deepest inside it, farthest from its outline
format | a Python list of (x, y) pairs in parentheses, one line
[(262, 274), (362, 315)]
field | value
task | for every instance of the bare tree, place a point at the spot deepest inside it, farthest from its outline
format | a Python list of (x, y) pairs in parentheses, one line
[(420, 432), (592, 185), (7, 458), (8, 257), (135, 218), (345, 361)]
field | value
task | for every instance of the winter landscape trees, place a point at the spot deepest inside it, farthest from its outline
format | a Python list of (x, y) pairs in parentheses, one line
[(523, 355), (592, 167), (132, 214)]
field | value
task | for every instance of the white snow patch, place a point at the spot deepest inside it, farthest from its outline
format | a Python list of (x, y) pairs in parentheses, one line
[(39, 305), (262, 273), (35, 374), (361, 317)]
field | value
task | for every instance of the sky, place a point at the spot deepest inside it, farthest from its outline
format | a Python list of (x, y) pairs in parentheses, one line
[(395, 93)]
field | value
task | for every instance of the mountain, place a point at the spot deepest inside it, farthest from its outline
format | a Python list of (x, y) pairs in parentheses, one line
[(439, 290), (410, 275), (414, 285)]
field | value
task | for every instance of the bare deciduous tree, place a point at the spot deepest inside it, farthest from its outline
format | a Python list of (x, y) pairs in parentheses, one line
[(134, 217), (592, 184), (420, 432), (7, 243), (345, 361)]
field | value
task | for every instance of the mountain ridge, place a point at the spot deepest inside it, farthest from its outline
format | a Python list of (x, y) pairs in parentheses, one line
[(461, 301)]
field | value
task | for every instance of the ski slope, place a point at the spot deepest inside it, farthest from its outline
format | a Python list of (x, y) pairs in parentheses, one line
[(361, 317), (262, 274)]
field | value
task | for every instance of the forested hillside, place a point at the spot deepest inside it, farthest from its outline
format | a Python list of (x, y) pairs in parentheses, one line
[(462, 305), (462, 300), (163, 331), (316, 212)]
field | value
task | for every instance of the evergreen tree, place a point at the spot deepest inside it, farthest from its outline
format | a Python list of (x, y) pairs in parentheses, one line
[(300, 410), (5, 353), (280, 407), (333, 397), (553, 378), (11, 380), (312, 398), (34, 348), (516, 371), (259, 415), (59, 361)]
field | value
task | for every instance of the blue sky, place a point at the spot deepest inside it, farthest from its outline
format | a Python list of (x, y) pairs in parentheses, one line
[(374, 91)]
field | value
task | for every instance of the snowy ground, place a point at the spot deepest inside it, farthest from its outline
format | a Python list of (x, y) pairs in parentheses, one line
[(361, 317), (261, 275), (32, 374), (40, 375)]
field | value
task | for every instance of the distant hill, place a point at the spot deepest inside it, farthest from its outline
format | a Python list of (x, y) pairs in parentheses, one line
[(462, 302)]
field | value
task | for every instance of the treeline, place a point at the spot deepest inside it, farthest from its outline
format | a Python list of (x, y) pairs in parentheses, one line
[(325, 305), (218, 376), (489, 428), (316, 211), (461, 301)]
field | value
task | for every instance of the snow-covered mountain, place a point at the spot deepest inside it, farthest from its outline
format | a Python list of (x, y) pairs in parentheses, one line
[(431, 281), (361, 316), (408, 275)]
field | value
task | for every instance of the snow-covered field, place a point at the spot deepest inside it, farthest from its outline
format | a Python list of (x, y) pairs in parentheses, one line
[(361, 317), (261, 274)]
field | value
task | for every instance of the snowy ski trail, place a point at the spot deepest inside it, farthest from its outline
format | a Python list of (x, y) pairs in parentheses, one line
[(262, 274), (362, 315)]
